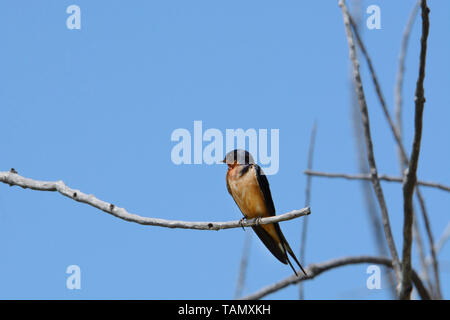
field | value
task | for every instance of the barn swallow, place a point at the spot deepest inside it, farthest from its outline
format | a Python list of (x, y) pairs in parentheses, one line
[(249, 187)]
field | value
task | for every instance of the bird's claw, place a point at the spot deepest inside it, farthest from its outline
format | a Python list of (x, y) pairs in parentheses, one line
[(241, 222)]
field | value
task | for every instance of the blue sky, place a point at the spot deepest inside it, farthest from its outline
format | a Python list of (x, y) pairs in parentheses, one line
[(96, 108)]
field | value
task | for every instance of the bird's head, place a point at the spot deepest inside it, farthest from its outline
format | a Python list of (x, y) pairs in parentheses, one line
[(238, 157)]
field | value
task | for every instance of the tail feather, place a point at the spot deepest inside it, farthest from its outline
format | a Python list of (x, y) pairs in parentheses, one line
[(292, 267), (295, 258), (289, 250)]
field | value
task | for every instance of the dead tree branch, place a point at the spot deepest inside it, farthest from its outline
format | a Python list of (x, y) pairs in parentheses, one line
[(369, 146), (307, 202), (399, 125), (400, 74), (13, 179), (403, 154), (445, 236), (383, 177), (314, 270), (240, 284), (356, 13), (443, 239), (423, 262), (411, 175)]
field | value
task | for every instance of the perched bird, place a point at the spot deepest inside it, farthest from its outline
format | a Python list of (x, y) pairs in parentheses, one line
[(248, 185)]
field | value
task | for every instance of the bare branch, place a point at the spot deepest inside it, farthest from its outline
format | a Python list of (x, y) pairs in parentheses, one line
[(445, 236), (314, 270), (383, 177), (307, 201), (403, 155), (399, 126), (243, 266), (400, 73), (410, 180), (369, 146), (430, 241), (423, 262), (12, 178), (443, 239), (374, 79), (356, 13)]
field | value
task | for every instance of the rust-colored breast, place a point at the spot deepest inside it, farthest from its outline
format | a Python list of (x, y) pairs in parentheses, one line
[(246, 192)]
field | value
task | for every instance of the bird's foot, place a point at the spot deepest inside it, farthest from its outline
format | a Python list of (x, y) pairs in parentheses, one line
[(258, 220), (241, 222)]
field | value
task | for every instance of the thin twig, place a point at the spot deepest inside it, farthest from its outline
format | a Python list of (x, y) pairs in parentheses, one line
[(400, 74), (356, 13), (399, 125), (13, 178), (374, 79), (445, 236), (243, 266), (369, 146), (307, 202), (411, 175), (443, 239), (422, 258), (430, 237), (383, 177), (314, 270)]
